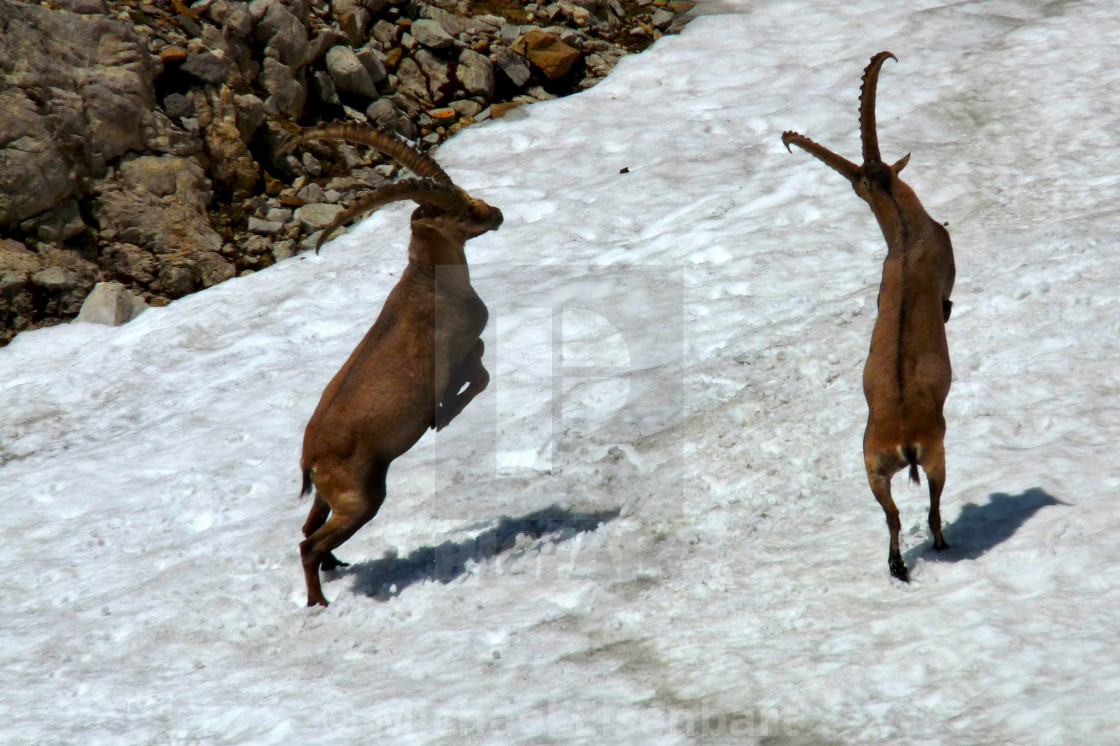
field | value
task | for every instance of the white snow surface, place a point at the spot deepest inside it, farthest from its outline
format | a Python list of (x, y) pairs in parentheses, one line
[(677, 356)]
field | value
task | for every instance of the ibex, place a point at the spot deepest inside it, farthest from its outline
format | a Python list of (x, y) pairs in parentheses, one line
[(907, 375), (408, 374)]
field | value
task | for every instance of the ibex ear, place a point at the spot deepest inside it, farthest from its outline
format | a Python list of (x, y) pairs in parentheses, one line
[(900, 164)]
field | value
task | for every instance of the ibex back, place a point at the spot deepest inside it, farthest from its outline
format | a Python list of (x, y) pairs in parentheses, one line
[(907, 375), (409, 373)]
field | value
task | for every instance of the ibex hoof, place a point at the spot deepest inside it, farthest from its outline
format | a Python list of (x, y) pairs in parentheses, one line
[(898, 570), (940, 545), (330, 562), (320, 601)]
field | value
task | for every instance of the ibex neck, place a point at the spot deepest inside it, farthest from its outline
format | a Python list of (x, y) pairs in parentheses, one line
[(901, 217), (433, 253)]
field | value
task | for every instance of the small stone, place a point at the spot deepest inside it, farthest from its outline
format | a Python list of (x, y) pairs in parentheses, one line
[(661, 18), (311, 165), (431, 34), (466, 108), (210, 67), (311, 193), (436, 71), (256, 245), (374, 63), (509, 33), (282, 250), (497, 111), (540, 94), (172, 54), (386, 33), (353, 26), (322, 86), (313, 218), (444, 117), (514, 67), (55, 279), (310, 243), (177, 278), (265, 227)]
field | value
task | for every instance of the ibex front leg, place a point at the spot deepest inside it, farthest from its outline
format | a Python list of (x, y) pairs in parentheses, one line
[(470, 373)]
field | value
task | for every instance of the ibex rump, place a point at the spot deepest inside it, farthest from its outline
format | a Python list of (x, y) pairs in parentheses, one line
[(408, 374), (907, 375)]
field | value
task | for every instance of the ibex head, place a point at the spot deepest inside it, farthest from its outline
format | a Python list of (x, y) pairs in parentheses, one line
[(442, 205), (875, 182)]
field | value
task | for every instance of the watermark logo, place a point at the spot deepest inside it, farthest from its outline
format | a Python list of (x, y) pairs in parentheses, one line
[(586, 369)]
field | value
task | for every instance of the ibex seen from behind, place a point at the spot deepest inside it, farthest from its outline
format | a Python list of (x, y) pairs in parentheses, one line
[(907, 375), (408, 374)]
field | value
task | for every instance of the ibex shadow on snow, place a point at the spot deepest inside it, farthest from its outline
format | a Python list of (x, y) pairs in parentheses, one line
[(907, 375)]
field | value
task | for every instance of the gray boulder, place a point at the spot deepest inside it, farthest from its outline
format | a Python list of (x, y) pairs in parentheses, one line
[(283, 34), (374, 63), (413, 83), (313, 218), (287, 95), (436, 71), (475, 74), (431, 34), (515, 67), (210, 66), (111, 304), (348, 72)]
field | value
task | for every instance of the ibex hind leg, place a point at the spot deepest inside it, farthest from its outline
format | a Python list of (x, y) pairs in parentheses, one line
[(880, 468), (320, 510), (933, 463), (349, 512)]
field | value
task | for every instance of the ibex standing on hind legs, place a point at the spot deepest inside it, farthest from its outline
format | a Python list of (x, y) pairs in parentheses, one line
[(409, 373), (907, 375)]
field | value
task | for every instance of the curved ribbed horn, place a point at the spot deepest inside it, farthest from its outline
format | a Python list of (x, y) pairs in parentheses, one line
[(867, 133), (422, 191), (389, 145), (841, 165)]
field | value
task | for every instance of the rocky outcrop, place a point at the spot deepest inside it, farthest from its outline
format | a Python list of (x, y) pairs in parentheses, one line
[(138, 140), (75, 92)]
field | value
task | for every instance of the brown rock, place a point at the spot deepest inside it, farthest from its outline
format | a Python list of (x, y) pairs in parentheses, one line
[(444, 117), (157, 203), (172, 54), (212, 268), (553, 57), (130, 262), (497, 111), (177, 277)]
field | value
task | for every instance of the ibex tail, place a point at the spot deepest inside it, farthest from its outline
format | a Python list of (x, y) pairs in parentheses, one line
[(910, 453)]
